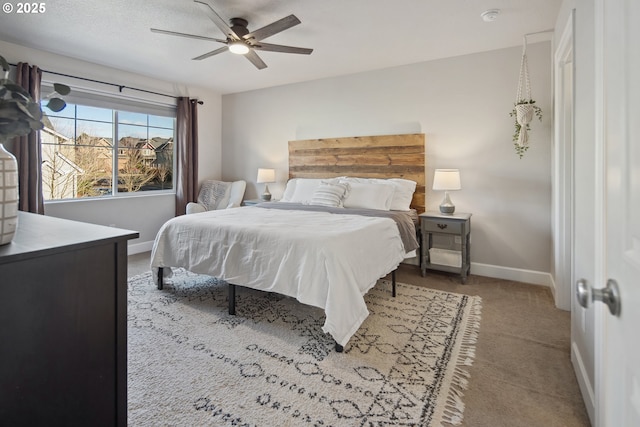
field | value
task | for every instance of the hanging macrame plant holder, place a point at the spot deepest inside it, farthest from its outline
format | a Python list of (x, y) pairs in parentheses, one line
[(524, 104)]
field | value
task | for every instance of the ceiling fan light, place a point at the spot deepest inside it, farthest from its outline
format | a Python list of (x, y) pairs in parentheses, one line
[(238, 47)]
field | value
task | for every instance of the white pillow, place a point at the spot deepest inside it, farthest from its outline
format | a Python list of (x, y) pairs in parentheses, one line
[(403, 190), (289, 189), (369, 195), (403, 194), (330, 194), (302, 189)]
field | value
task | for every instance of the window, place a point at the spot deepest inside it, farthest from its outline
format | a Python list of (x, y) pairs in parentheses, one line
[(95, 147)]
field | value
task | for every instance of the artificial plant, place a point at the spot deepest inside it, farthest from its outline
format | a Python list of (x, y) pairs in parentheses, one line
[(523, 112), (19, 112), (525, 107)]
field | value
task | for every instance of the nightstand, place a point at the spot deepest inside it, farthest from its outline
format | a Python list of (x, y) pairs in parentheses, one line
[(457, 226)]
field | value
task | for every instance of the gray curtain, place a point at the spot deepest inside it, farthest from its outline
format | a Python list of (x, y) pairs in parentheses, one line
[(27, 148), (186, 172)]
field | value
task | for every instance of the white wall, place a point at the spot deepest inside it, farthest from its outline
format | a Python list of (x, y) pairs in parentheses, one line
[(144, 214), (462, 104)]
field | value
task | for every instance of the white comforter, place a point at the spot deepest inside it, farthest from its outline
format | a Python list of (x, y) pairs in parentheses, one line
[(325, 260)]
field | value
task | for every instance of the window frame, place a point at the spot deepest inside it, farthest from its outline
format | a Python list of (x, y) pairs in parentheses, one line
[(119, 104)]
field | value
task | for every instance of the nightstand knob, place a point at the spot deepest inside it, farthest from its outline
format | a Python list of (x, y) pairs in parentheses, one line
[(442, 226)]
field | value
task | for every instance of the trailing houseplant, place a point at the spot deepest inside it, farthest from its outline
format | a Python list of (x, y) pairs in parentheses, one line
[(523, 112), (525, 107)]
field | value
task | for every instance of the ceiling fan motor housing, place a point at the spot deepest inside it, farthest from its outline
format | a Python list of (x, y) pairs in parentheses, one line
[(239, 26)]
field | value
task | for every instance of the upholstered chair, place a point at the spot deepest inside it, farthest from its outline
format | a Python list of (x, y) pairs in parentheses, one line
[(218, 195)]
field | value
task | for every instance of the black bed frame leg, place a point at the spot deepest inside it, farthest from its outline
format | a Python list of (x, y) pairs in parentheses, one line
[(232, 299), (393, 283), (160, 278), (339, 348)]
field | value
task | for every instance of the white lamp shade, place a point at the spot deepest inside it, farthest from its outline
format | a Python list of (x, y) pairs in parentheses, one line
[(266, 175), (446, 179)]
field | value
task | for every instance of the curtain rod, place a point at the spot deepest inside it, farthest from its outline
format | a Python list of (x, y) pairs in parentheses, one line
[(120, 87)]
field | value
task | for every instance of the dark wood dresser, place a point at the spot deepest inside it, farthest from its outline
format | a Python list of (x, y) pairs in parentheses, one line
[(63, 324)]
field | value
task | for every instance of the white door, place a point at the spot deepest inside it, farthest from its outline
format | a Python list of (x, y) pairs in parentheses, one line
[(618, 344), (586, 188)]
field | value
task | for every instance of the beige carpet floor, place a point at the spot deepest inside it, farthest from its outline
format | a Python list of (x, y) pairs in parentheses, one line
[(522, 374)]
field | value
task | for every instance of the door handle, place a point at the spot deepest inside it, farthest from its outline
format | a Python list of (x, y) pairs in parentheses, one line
[(609, 295), (583, 293)]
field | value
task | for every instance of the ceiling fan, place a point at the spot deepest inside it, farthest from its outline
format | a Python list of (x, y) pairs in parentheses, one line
[(240, 40)]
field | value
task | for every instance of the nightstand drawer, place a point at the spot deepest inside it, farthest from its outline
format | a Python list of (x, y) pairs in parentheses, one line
[(442, 226)]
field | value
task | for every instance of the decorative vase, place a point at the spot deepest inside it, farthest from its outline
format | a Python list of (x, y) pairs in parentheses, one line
[(8, 195)]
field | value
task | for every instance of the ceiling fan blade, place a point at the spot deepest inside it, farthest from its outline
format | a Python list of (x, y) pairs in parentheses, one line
[(191, 36), (268, 47), (255, 60), (209, 54), (273, 28), (217, 19)]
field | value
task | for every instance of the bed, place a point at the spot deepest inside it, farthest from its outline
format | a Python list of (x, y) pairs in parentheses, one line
[(326, 243)]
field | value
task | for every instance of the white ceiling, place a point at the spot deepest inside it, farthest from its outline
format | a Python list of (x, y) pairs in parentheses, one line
[(348, 36)]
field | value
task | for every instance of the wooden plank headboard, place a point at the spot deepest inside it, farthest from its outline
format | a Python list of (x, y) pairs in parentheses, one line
[(385, 156)]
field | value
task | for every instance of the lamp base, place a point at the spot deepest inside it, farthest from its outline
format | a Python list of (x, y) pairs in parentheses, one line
[(266, 196), (446, 207)]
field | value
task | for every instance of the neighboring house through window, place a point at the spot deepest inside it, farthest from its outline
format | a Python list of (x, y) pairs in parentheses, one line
[(100, 146)]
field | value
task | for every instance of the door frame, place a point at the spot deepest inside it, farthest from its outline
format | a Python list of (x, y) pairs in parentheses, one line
[(563, 157)]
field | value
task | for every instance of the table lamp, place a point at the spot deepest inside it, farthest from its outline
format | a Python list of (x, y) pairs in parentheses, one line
[(446, 180), (265, 176)]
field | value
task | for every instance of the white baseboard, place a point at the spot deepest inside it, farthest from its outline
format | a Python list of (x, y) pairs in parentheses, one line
[(557, 292), (137, 248), (554, 290), (515, 274), (586, 388), (488, 270)]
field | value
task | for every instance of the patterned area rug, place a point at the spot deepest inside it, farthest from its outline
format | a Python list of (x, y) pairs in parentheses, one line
[(192, 364)]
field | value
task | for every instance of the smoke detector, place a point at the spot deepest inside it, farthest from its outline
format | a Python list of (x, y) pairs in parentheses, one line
[(490, 15)]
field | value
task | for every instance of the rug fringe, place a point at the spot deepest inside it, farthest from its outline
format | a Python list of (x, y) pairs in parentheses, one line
[(454, 407)]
